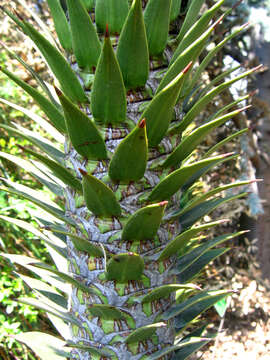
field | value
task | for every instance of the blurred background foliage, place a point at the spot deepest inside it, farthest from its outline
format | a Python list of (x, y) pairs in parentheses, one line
[(16, 317)]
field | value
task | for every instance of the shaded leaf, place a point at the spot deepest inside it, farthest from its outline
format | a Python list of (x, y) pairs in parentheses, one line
[(108, 95), (99, 198), (132, 49), (129, 160), (84, 135), (125, 267), (85, 42)]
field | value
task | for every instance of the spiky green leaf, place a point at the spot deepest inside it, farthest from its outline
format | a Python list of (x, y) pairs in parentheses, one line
[(130, 158), (157, 20), (132, 49), (125, 267), (85, 41), (99, 198), (61, 24), (144, 223), (84, 135), (108, 95)]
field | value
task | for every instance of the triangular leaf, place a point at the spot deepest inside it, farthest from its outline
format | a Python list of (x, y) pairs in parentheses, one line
[(130, 158), (108, 103), (125, 267), (157, 19), (144, 223), (99, 198), (83, 133), (85, 42), (132, 50)]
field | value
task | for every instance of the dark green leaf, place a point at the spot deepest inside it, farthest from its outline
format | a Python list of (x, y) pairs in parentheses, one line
[(125, 267), (85, 42), (99, 198), (108, 95), (130, 158), (144, 223), (132, 50)]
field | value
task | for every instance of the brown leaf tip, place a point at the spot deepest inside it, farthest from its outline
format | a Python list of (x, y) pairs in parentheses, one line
[(142, 123), (245, 108), (107, 34), (187, 67), (163, 203), (58, 91), (84, 173), (19, 16)]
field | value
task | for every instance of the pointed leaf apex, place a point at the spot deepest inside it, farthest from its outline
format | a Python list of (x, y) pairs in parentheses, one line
[(257, 68), (223, 221), (187, 67), (246, 24), (21, 147), (84, 173), (218, 21), (142, 123), (244, 108), (255, 181), (19, 16), (228, 154), (58, 91), (254, 92), (107, 34)]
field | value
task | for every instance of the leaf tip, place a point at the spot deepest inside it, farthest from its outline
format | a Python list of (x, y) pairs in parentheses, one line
[(163, 203), (244, 108), (107, 34), (58, 91), (83, 172), (142, 123), (187, 67)]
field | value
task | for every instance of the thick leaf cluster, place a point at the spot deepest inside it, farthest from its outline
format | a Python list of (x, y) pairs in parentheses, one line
[(117, 47)]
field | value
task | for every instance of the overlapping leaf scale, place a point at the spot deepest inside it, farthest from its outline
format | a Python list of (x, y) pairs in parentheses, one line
[(173, 182), (159, 112), (132, 50), (108, 95), (191, 141), (85, 41), (207, 98), (83, 133), (144, 223), (99, 198), (177, 244), (129, 160), (157, 20), (125, 267)]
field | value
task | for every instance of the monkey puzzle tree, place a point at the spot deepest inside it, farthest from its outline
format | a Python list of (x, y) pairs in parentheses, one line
[(124, 239)]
